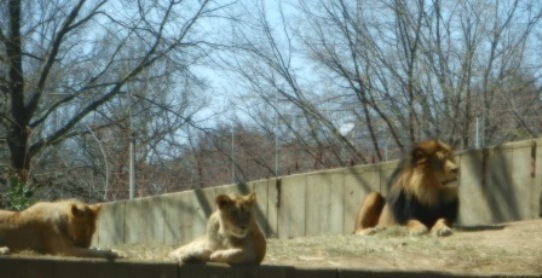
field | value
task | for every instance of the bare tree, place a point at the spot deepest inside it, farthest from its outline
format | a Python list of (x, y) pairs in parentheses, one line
[(264, 56), (399, 71), (64, 61)]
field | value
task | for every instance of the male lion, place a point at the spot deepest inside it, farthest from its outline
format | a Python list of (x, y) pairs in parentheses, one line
[(423, 194), (59, 228), (232, 237)]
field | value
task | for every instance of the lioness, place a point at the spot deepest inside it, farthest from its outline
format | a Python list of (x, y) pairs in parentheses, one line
[(232, 236), (60, 228), (423, 193)]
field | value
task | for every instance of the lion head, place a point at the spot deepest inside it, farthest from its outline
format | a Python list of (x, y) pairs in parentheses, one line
[(82, 222), (236, 214), (436, 158)]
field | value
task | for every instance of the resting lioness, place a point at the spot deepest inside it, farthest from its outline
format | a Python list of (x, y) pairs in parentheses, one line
[(232, 236), (59, 228)]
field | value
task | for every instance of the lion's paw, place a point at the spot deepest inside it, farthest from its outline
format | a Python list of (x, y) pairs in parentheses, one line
[(368, 231), (177, 255), (418, 230), (226, 255), (117, 254), (190, 256), (4, 250), (219, 255), (442, 231)]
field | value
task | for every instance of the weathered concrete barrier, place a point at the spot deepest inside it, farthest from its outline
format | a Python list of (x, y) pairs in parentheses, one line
[(54, 267), (501, 184), (498, 184)]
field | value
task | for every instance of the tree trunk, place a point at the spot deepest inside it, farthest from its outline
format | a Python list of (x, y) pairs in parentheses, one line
[(18, 148), (18, 125)]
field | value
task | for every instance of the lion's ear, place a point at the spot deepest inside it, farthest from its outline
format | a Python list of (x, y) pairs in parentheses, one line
[(418, 154), (223, 201), (96, 208), (75, 211), (251, 198)]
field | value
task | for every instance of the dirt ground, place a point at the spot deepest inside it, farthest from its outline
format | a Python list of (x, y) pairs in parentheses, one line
[(510, 248), (506, 249)]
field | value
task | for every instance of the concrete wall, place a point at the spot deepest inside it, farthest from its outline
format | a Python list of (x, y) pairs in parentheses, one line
[(497, 184), (64, 267)]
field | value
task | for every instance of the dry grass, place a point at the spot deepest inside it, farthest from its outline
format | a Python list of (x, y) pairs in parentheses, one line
[(279, 250), (395, 249), (490, 251), (512, 249)]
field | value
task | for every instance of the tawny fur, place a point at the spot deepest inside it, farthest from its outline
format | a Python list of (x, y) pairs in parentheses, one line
[(423, 194), (232, 236), (59, 228)]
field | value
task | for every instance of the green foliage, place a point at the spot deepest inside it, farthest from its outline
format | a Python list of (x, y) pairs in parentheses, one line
[(17, 196)]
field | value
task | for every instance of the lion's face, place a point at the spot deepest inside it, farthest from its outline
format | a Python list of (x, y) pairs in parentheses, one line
[(82, 223), (439, 158), (236, 213)]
